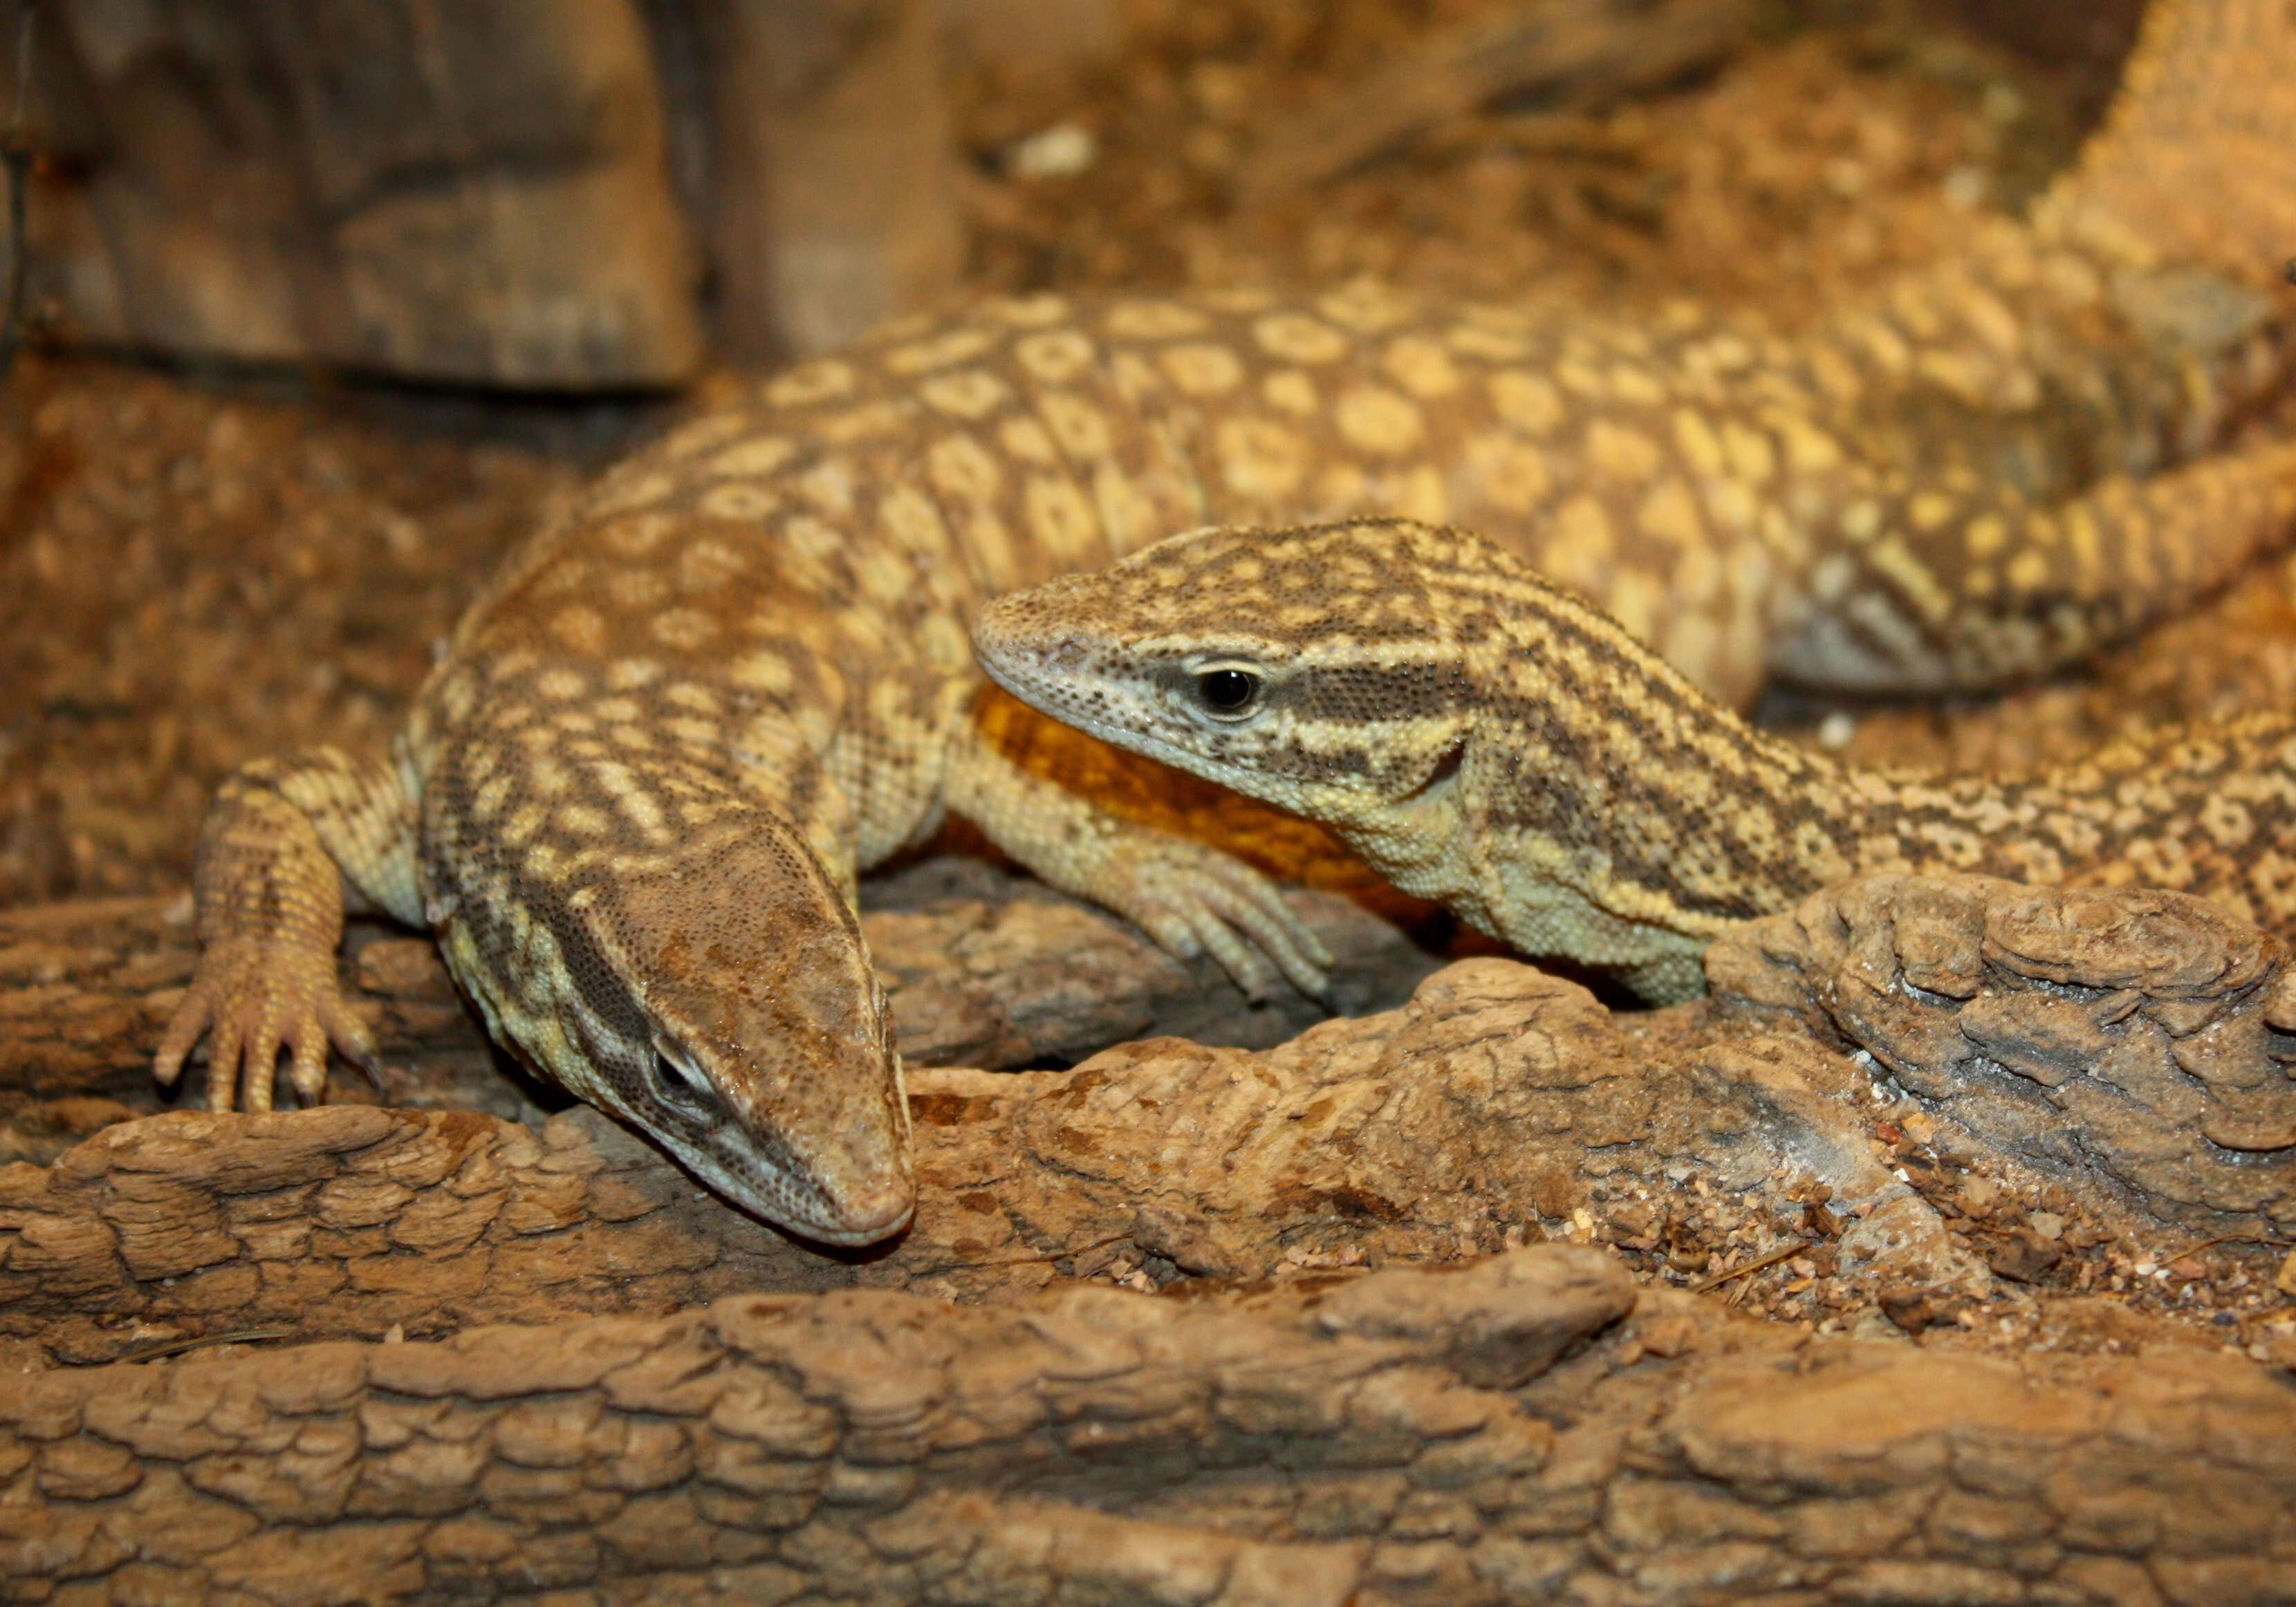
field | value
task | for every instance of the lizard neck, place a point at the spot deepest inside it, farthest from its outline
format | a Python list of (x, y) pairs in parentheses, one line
[(1595, 804)]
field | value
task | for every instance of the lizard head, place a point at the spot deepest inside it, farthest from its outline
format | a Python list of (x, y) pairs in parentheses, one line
[(725, 1005), (1310, 667)]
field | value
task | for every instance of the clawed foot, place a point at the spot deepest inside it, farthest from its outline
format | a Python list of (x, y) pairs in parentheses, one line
[(1194, 899), (249, 999)]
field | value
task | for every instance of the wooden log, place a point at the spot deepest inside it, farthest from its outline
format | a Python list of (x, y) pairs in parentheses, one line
[(832, 199), (1411, 1436), (470, 192)]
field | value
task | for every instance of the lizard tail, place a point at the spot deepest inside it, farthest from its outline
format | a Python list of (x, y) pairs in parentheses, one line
[(2197, 158), (2033, 586)]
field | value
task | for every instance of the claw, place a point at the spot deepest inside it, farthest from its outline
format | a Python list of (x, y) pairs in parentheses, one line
[(250, 999)]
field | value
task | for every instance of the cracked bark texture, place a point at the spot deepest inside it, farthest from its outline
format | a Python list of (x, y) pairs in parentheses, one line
[(1500, 1104), (1407, 1437), (2142, 1040), (531, 1356), (983, 969)]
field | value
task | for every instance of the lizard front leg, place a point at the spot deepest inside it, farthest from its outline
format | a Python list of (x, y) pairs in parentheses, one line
[(268, 891), (1189, 898)]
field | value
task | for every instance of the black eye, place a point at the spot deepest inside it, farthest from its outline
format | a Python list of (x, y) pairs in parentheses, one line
[(680, 1086), (1228, 691)]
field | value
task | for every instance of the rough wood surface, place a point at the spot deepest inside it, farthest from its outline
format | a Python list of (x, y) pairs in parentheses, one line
[(984, 969), (490, 191), (1402, 1436), (833, 195), (525, 1355), (2145, 1041), (385, 187)]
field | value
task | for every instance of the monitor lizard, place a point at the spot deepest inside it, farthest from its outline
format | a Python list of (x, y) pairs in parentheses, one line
[(1487, 740), (633, 799)]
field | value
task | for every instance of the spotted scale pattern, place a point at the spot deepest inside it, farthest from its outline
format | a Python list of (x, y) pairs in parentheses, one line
[(685, 717), (1489, 740)]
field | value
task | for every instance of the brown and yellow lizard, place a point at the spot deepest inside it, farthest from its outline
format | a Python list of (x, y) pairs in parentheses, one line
[(633, 800), (1490, 741)]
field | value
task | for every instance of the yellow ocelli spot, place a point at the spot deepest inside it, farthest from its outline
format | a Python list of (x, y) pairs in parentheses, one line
[(627, 675), (684, 629), (638, 591), (1297, 338), (1669, 513), (1376, 420), (542, 863), (1809, 450), (1261, 458), (961, 468), (2083, 539), (2027, 571), (913, 520), (1752, 458), (938, 351), (738, 502), (1620, 455), (487, 803), (1861, 520), (1421, 367), (1061, 518), (1420, 493), (760, 456), (1931, 511), (1482, 338), (1288, 390), (1528, 400), (1201, 368), (885, 577), (1080, 427), (1152, 321), (1580, 550), (638, 534), (946, 643), (580, 820), (1026, 440), (761, 671), (988, 542), (829, 485), (1509, 473), (707, 566), (1700, 447), (865, 422), (579, 628), (809, 382), (561, 686), (969, 393), (1028, 311), (1365, 305), (1057, 355), (693, 696)]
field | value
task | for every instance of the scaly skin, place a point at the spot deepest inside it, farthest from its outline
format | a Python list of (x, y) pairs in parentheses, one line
[(1490, 741), (634, 799)]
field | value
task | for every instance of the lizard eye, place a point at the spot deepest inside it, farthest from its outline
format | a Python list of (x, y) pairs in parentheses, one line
[(1227, 693), (679, 1086)]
